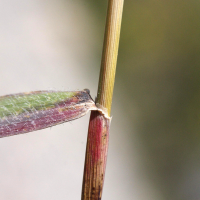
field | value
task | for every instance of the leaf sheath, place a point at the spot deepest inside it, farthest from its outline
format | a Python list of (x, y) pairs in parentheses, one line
[(96, 156)]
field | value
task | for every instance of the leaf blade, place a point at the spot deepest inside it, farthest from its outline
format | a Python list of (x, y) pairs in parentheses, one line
[(26, 112)]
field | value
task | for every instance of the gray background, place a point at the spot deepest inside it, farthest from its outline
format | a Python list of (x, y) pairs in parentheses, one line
[(154, 142)]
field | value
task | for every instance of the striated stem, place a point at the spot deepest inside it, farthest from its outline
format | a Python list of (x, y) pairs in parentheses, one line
[(96, 156), (109, 55), (98, 132)]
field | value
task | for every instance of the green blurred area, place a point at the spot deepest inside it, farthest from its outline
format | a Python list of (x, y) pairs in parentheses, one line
[(159, 73)]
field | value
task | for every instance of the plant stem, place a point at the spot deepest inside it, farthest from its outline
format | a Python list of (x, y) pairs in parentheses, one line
[(109, 55), (96, 156), (98, 132)]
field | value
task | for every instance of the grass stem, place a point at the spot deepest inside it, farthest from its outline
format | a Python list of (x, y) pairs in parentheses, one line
[(98, 132)]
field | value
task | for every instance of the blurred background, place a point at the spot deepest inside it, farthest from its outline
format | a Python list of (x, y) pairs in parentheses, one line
[(154, 151)]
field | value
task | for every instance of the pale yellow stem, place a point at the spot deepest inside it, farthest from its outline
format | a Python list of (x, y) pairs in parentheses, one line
[(110, 53)]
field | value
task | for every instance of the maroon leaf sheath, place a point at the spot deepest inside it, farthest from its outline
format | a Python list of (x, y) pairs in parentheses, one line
[(96, 156), (26, 112)]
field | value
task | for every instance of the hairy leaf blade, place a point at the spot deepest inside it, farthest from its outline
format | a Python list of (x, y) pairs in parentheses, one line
[(26, 112)]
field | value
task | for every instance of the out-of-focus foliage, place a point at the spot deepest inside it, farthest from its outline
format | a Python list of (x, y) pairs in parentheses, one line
[(154, 141), (159, 70)]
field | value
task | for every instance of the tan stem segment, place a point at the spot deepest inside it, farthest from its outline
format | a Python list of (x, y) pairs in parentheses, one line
[(98, 133), (109, 55)]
